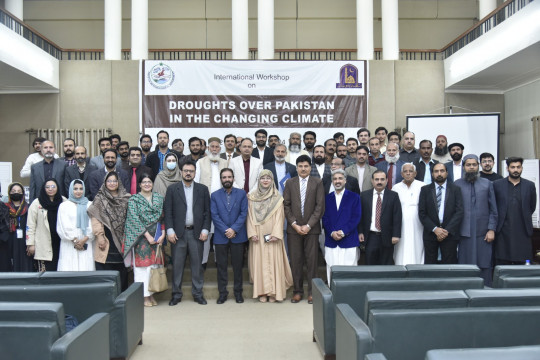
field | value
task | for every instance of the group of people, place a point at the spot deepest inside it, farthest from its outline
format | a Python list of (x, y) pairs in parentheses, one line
[(279, 204)]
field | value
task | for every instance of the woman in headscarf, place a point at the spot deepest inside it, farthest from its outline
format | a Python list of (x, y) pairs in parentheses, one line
[(269, 267), (18, 213), (170, 174), (73, 227), (5, 253), (108, 217), (41, 237), (144, 232)]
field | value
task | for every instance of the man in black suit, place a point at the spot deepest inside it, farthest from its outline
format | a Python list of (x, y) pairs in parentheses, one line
[(440, 207), (516, 202), (187, 220), (134, 168), (391, 165), (46, 169), (319, 168), (154, 160), (284, 168), (424, 166), (262, 151), (351, 183), (81, 170), (381, 221), (96, 178)]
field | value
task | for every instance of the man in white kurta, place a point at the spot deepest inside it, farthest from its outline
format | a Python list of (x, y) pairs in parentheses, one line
[(410, 249)]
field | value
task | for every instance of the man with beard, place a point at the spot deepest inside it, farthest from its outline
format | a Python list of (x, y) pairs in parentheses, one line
[(342, 215), (195, 151), (46, 169), (69, 151), (362, 171), (391, 165), (479, 219), (516, 202), (230, 145), (363, 136), (330, 147), (203, 148), (294, 148), (351, 183), (178, 145), (487, 161), (341, 152), (81, 170), (408, 153), (273, 140), (146, 145), (34, 157), (441, 153), (95, 180), (156, 158), (246, 168), (281, 169), (187, 220), (455, 167), (425, 164), (440, 208), (229, 207), (352, 144), (319, 168), (104, 144), (123, 152), (310, 138), (381, 134), (262, 151), (375, 155), (135, 168)]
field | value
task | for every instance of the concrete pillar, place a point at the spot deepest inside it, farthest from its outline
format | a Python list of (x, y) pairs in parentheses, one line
[(240, 30), (139, 29), (113, 29), (15, 7), (485, 7), (390, 29), (364, 29), (265, 24)]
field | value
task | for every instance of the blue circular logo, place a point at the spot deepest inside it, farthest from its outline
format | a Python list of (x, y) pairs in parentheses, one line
[(161, 76)]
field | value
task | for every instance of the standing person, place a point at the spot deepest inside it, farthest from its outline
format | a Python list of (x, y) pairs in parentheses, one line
[(352, 144), (41, 237), (135, 168), (440, 208), (516, 202), (351, 183), (18, 214), (145, 143), (487, 161), (246, 168), (187, 220), (380, 227), (170, 174), (441, 153), (381, 133), (318, 167), (341, 217), (196, 151), (81, 170), (304, 206), (408, 153), (362, 171), (425, 164), (479, 219), (455, 167), (330, 147), (178, 145), (108, 217), (104, 144), (155, 159), (391, 165), (268, 264), (230, 145), (5, 253), (75, 231), (363, 136), (310, 139), (33, 158), (294, 148), (69, 152), (410, 248), (144, 232), (95, 179), (281, 170), (262, 151), (375, 155), (229, 207), (50, 167)]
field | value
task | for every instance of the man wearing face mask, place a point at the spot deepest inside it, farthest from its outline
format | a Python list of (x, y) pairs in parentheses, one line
[(96, 178), (81, 170), (46, 169), (134, 168)]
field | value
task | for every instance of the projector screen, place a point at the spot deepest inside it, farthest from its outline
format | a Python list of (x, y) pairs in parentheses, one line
[(477, 132)]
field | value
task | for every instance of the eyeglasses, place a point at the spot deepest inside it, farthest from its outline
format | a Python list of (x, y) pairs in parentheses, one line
[(50, 186), (189, 171)]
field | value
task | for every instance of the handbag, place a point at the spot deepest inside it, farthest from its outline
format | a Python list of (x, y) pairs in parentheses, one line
[(158, 275)]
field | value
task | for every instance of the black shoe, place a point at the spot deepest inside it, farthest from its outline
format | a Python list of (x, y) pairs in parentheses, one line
[(200, 300), (174, 301), (221, 299), (239, 298)]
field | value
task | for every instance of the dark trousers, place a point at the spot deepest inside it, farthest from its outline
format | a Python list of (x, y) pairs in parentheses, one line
[(303, 249), (185, 245), (508, 262), (222, 259), (120, 267), (376, 252), (448, 250)]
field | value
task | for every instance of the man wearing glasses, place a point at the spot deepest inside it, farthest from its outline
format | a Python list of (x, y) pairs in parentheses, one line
[(487, 161)]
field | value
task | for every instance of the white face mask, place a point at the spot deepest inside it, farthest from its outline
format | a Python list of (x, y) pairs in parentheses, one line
[(171, 165)]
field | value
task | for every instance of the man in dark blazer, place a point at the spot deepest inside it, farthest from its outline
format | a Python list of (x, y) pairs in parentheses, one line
[(391, 165), (81, 170), (424, 165), (280, 151), (381, 232), (229, 207), (351, 183), (303, 200), (154, 160), (516, 202), (441, 218), (261, 151), (318, 163), (96, 178), (46, 169), (187, 220), (135, 168)]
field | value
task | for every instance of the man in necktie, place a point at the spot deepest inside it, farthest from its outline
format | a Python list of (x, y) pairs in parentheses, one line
[(391, 165), (440, 208), (134, 168), (229, 141), (303, 199), (380, 227)]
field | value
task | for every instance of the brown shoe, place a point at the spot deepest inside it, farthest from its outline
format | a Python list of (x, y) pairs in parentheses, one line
[(309, 300), (296, 298)]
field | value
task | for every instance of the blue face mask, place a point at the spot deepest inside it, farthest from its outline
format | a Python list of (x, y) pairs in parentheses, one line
[(171, 165)]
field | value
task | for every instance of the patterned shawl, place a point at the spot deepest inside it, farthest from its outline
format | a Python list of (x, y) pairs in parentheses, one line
[(167, 177), (141, 216), (15, 212), (263, 203)]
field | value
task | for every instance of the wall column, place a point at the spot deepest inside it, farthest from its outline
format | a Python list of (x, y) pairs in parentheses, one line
[(265, 24), (113, 29), (485, 7), (240, 30), (364, 29), (390, 29), (139, 29), (15, 7)]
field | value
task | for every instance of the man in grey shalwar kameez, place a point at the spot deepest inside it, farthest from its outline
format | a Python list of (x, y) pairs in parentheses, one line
[(479, 220)]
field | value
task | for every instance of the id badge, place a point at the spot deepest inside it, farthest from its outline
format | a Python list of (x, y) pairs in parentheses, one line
[(19, 233)]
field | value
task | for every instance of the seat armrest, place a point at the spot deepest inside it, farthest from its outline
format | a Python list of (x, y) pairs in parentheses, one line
[(324, 317), (353, 337), (127, 321), (375, 356)]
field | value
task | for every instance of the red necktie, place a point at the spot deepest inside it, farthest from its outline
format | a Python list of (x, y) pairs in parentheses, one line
[(378, 211), (133, 189), (390, 175)]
